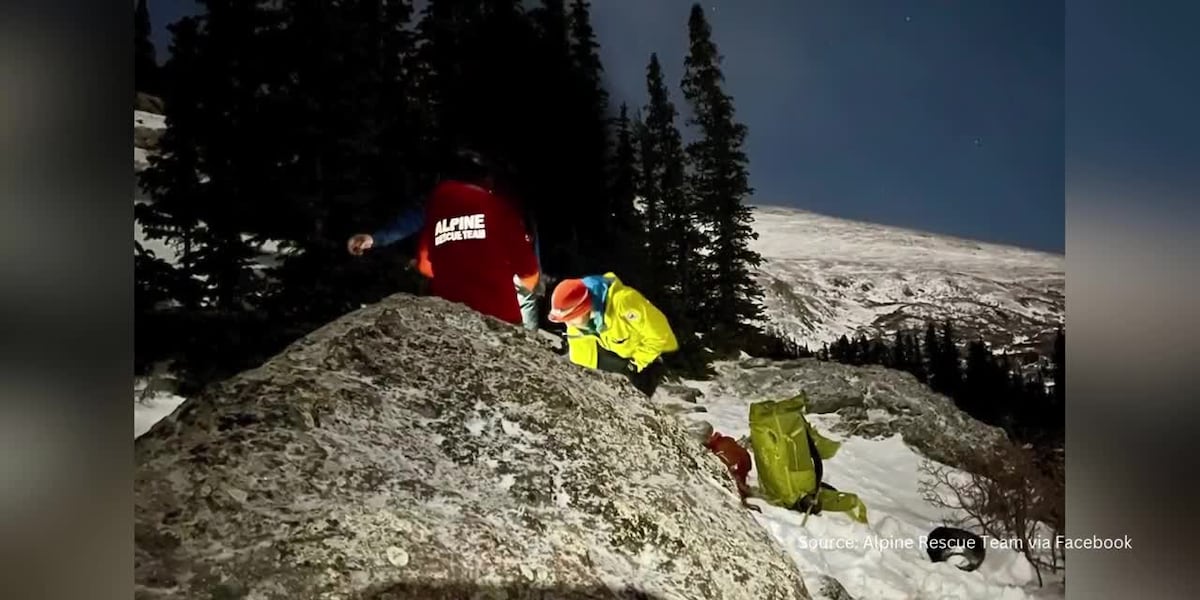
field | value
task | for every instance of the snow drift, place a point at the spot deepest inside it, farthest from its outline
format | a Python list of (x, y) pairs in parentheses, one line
[(415, 448)]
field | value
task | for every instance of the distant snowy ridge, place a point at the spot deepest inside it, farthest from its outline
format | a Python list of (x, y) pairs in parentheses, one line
[(825, 277)]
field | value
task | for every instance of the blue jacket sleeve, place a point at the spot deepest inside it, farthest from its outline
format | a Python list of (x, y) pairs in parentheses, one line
[(406, 225)]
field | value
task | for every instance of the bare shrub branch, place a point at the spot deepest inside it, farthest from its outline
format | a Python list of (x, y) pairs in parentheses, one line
[(1009, 492)]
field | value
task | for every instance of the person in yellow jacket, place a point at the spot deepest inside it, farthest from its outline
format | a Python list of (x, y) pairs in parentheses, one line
[(613, 327)]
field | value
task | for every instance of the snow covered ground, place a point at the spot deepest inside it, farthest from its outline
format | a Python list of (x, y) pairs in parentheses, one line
[(883, 560), (145, 120), (149, 120), (825, 277), (153, 410)]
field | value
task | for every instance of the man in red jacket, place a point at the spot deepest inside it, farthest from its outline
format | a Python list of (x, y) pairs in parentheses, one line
[(473, 245)]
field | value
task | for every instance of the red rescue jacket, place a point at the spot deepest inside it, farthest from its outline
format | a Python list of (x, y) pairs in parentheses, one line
[(472, 245)]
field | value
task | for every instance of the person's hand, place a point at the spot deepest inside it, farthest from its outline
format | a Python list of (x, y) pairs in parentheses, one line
[(357, 244)]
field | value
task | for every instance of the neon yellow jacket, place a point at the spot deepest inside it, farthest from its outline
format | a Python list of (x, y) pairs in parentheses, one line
[(629, 326)]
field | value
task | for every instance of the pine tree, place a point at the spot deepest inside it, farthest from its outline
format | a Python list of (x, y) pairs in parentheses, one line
[(949, 369), (209, 183), (172, 180), (672, 237), (879, 353), (600, 239), (290, 124), (719, 182), (916, 359), (1060, 367), (900, 354), (1056, 420), (344, 92), (933, 358), (843, 350), (398, 122), (471, 54), (214, 161), (626, 225), (445, 31), (586, 58), (869, 351), (552, 18), (650, 212), (976, 395), (145, 65)]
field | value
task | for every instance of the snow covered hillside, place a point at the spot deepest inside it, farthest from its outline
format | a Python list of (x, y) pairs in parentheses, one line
[(884, 559), (825, 277)]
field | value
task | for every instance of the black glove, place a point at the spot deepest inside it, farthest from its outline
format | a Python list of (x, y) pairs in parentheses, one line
[(645, 381), (639, 380)]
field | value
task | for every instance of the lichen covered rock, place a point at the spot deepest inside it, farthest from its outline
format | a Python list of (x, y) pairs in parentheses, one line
[(416, 449)]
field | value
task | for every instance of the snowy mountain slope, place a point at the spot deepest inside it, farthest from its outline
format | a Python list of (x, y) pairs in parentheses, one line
[(882, 560), (824, 277)]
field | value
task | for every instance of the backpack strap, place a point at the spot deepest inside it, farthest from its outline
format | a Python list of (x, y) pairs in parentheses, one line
[(816, 456), (810, 503)]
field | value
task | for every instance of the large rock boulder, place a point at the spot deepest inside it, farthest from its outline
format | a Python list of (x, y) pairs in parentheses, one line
[(872, 402), (414, 449)]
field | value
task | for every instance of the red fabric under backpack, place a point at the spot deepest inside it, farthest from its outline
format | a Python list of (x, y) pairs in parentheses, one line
[(736, 459)]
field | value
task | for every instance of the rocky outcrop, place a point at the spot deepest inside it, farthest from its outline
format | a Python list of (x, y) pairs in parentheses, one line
[(679, 401), (872, 402), (679, 393), (828, 588), (414, 449)]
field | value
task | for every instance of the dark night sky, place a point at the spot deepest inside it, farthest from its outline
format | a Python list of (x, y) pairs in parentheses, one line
[(941, 116)]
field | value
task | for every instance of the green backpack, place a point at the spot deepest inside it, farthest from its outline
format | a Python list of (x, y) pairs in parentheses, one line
[(788, 454)]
